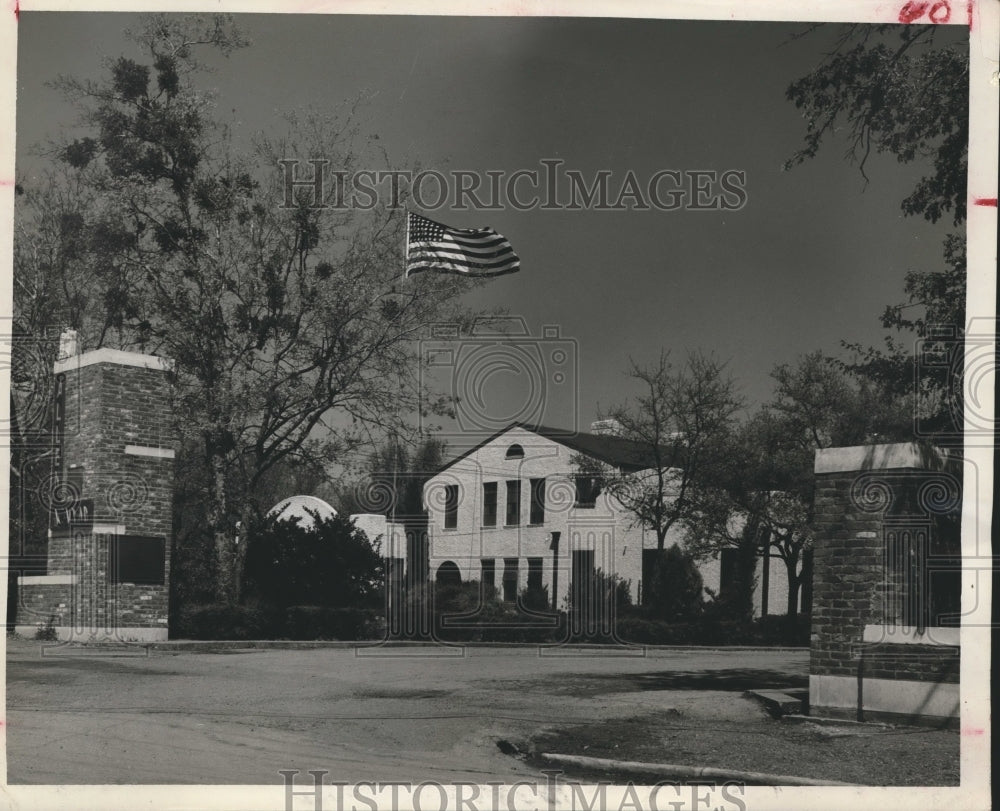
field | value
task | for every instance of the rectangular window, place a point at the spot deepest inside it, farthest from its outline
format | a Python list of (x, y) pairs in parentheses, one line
[(728, 561), (451, 506), (588, 488), (138, 559), (537, 515), (489, 504), (534, 573), (513, 503), (510, 579), (582, 583)]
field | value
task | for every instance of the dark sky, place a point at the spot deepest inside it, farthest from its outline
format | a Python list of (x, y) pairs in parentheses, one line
[(812, 257)]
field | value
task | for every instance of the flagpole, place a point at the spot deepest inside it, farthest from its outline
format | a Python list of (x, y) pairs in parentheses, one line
[(406, 243)]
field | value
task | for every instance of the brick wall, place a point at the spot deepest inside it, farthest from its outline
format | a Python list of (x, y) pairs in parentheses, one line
[(847, 573), (110, 406), (40, 604), (912, 662)]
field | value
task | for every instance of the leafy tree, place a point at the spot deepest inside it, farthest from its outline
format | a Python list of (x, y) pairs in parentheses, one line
[(903, 90), (822, 407), (718, 521), (391, 484), (50, 284), (815, 406), (896, 89), (393, 477), (193, 563), (291, 334), (675, 424), (759, 496)]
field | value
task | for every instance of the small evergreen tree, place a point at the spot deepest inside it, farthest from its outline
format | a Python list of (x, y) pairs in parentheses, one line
[(534, 598), (674, 593)]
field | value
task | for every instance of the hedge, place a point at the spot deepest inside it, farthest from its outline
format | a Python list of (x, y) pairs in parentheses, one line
[(494, 622), (300, 622)]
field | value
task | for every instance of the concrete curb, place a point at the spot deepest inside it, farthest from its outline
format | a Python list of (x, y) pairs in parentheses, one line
[(676, 772), (779, 703), (287, 644), (819, 720)]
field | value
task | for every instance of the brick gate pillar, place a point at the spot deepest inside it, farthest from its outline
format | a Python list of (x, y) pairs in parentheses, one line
[(110, 502), (886, 583)]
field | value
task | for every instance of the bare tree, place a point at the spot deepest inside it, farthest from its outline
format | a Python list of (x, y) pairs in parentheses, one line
[(675, 422)]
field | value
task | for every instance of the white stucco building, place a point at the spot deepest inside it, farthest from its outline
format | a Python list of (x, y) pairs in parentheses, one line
[(514, 512)]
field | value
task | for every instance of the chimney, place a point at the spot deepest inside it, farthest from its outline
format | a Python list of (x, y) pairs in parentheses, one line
[(67, 344), (609, 427)]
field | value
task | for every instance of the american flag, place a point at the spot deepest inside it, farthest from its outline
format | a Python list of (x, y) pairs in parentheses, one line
[(469, 252)]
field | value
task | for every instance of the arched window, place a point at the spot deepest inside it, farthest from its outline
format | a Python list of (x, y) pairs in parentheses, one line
[(448, 574), (515, 451)]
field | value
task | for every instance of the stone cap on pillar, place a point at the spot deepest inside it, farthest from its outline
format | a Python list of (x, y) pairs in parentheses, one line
[(896, 456), (108, 355)]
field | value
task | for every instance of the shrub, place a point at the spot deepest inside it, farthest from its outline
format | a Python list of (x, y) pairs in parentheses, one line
[(641, 629), (501, 622), (601, 593), (534, 598), (301, 622), (725, 606), (331, 564), (471, 612), (460, 598), (645, 631), (222, 621), (321, 622), (782, 630), (47, 632), (594, 608)]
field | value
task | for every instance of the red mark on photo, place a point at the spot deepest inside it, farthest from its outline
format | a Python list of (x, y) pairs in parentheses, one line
[(939, 12), (986, 201), (968, 12), (912, 12), (973, 731)]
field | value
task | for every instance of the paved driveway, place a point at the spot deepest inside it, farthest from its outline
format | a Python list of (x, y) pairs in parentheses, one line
[(237, 717)]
